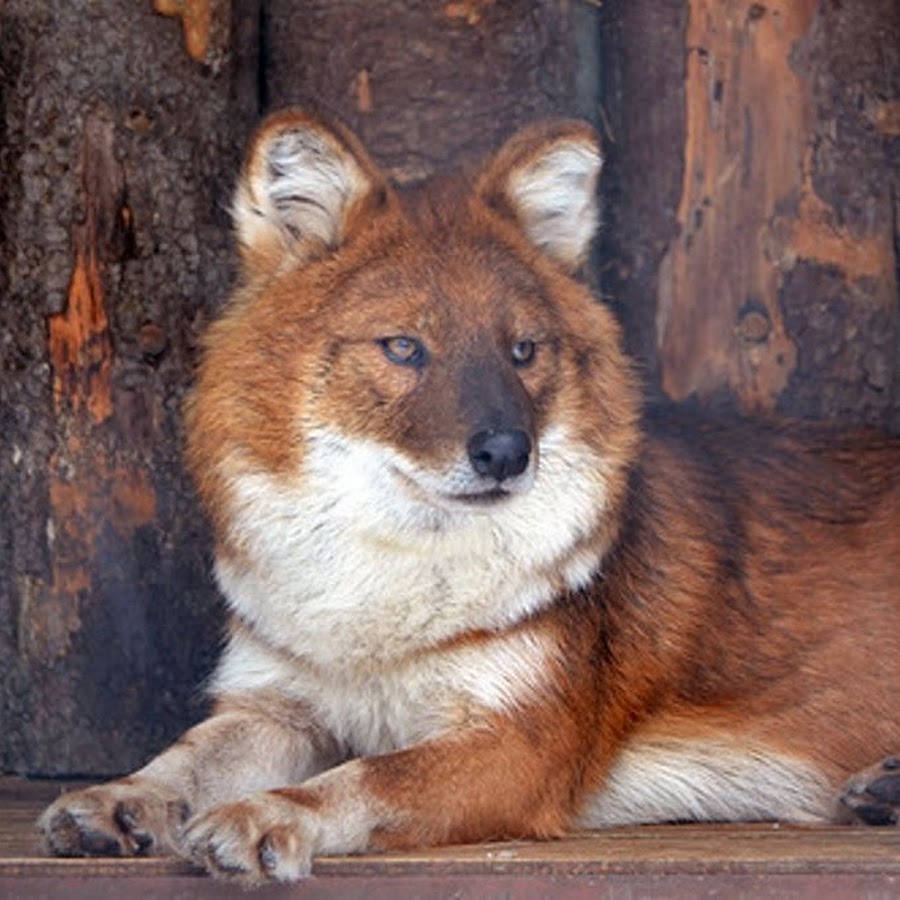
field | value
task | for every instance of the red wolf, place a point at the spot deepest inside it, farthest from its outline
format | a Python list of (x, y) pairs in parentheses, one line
[(477, 590)]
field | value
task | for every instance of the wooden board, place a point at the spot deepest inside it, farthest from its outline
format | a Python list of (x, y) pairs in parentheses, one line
[(665, 861)]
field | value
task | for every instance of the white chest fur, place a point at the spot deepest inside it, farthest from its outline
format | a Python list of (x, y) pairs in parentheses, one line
[(389, 708), (346, 568), (355, 578)]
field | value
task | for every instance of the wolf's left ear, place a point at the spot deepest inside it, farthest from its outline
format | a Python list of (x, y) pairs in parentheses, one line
[(545, 177), (306, 183)]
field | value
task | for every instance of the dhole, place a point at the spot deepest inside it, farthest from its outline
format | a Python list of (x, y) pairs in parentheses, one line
[(477, 591)]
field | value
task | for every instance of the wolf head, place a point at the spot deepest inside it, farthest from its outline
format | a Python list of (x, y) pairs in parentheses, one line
[(399, 363), (440, 322)]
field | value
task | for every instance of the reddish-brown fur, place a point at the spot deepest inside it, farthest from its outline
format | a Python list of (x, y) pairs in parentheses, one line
[(746, 587)]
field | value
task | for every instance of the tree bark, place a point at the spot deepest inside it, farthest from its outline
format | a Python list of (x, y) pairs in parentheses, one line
[(777, 280), (642, 97), (426, 84), (117, 154)]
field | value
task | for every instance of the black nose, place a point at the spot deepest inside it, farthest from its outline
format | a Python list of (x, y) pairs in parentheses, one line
[(499, 453)]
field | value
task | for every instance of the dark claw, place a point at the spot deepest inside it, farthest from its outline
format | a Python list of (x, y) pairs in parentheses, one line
[(143, 842), (872, 797), (873, 814), (885, 789), (268, 856), (98, 843), (126, 817)]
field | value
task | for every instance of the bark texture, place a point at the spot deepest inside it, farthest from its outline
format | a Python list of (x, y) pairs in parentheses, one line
[(781, 286), (642, 100), (117, 159), (428, 83)]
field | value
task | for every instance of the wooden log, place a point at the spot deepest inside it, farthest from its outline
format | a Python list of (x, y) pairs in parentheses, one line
[(427, 84), (117, 164), (781, 286)]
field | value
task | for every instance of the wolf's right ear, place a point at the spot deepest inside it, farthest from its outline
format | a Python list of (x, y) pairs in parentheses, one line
[(304, 184)]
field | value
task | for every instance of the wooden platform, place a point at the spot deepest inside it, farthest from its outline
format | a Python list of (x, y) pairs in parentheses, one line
[(710, 861)]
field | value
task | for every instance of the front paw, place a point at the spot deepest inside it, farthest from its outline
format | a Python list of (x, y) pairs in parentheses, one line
[(872, 797), (261, 838), (130, 817)]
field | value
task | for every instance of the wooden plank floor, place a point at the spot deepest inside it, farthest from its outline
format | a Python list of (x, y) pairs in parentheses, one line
[(648, 862)]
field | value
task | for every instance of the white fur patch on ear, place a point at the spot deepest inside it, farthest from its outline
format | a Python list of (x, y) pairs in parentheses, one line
[(298, 185), (554, 196)]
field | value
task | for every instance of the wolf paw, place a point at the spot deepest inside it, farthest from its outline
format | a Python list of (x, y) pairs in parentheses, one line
[(123, 818), (261, 838), (872, 797)]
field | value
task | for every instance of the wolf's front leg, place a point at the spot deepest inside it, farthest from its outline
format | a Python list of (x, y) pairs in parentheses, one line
[(486, 784), (235, 752)]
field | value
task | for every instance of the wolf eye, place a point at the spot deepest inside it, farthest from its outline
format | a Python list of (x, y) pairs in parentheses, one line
[(523, 352), (402, 350)]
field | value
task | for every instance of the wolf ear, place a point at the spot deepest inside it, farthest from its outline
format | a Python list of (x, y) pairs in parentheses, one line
[(545, 177), (303, 185)]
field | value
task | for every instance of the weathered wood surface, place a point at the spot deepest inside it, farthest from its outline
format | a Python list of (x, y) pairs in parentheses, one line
[(657, 861), (474, 887)]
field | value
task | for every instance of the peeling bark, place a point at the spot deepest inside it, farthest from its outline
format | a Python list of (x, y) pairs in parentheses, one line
[(118, 159), (731, 313), (205, 26)]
